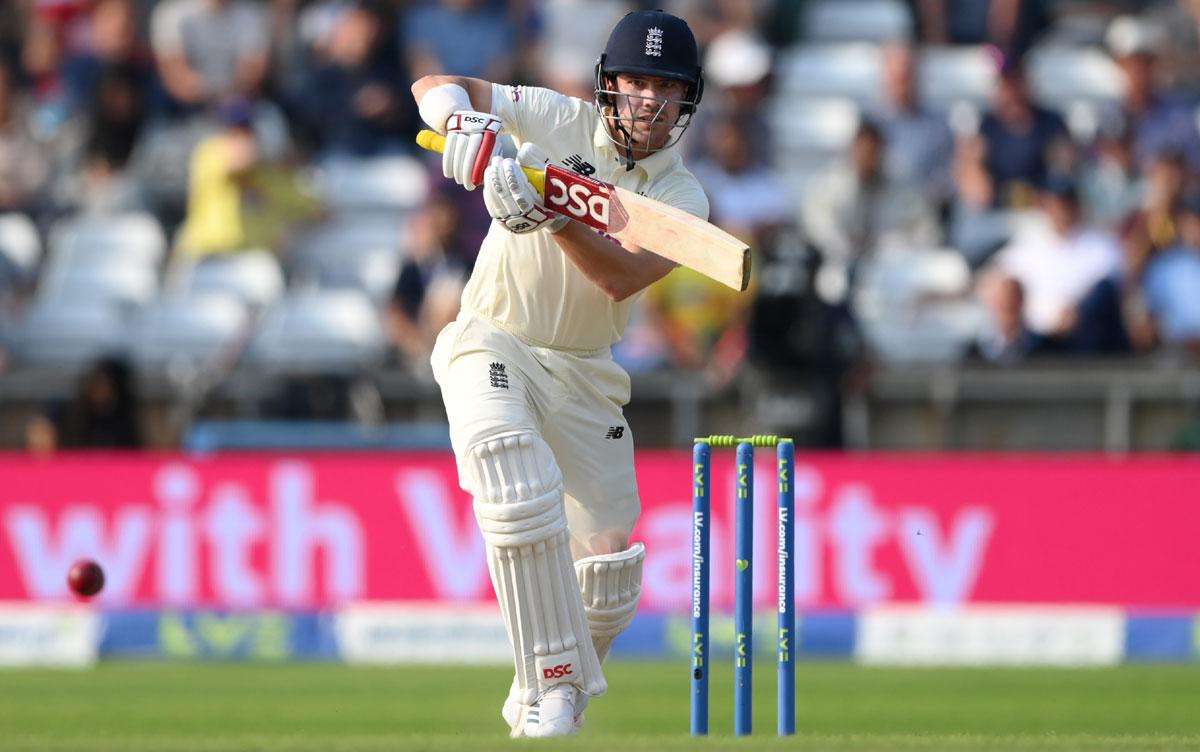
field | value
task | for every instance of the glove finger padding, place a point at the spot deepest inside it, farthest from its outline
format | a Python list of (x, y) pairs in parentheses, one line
[(497, 198), (470, 142), (524, 197), (512, 200)]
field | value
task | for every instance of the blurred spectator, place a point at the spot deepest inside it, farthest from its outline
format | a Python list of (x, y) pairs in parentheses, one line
[(460, 38), (1005, 339), (1172, 282), (117, 113), (1180, 45), (353, 102), (747, 197), (473, 220), (1153, 229), (103, 414), (802, 350), (572, 31), (1007, 24), (702, 323), (711, 18), (1068, 276), (238, 200), (850, 211), (1112, 185), (55, 30), (115, 45), (737, 75), (13, 27), (210, 50), (1017, 144), (920, 146), (102, 185), (430, 283), (1159, 123), (23, 165)]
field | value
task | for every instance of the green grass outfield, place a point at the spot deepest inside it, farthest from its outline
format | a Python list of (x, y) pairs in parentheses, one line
[(134, 707)]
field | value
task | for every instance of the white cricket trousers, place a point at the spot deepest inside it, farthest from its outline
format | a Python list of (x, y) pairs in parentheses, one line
[(493, 383)]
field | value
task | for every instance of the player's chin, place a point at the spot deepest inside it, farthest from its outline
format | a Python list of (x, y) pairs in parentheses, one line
[(650, 139)]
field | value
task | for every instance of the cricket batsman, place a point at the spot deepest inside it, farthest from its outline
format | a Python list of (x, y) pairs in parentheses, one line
[(533, 396)]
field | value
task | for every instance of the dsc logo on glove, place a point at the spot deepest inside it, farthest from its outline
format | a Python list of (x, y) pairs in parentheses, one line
[(557, 672)]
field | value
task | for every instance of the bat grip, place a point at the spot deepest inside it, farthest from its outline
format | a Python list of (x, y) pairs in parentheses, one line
[(433, 141)]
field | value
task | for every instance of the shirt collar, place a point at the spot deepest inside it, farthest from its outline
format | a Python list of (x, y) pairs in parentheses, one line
[(652, 166)]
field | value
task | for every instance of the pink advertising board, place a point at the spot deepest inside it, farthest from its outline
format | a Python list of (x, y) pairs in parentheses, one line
[(310, 531)]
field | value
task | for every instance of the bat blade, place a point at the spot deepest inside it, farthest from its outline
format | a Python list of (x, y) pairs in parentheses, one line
[(683, 238), (657, 227)]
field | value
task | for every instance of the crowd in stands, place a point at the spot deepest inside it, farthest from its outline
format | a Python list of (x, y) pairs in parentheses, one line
[(891, 218)]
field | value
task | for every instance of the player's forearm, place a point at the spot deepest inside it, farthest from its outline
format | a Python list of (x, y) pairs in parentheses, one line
[(478, 91), (618, 271)]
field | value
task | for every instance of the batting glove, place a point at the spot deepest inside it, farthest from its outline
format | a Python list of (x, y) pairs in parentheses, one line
[(470, 141), (512, 200)]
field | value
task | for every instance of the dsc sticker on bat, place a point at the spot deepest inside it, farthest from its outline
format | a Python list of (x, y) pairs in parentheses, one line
[(584, 199)]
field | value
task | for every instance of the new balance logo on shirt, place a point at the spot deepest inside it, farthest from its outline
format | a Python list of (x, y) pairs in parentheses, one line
[(615, 432), (576, 163)]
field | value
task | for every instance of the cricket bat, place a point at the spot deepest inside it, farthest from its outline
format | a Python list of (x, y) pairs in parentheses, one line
[(669, 232)]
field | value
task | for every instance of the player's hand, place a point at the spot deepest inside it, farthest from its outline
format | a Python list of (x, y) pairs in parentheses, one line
[(470, 141), (512, 200)]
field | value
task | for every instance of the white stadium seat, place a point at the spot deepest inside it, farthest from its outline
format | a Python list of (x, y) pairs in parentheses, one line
[(254, 277), (830, 70), (915, 305), (126, 239), (188, 328), (379, 183), (322, 330), (868, 20), (68, 332), (1058, 75), (124, 285), (358, 252), (948, 75), (19, 242), (824, 125)]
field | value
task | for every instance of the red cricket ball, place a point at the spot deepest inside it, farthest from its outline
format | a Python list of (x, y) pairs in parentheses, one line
[(86, 578)]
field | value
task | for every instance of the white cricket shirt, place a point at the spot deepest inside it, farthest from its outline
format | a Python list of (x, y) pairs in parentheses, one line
[(525, 283)]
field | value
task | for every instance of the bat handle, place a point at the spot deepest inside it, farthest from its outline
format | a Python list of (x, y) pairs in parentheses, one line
[(433, 141)]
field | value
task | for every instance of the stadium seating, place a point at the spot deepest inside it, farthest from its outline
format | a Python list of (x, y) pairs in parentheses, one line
[(128, 285), (319, 331), (948, 75), (128, 239), (362, 252), (252, 276), (19, 242), (1064, 74), (913, 305), (851, 71), (188, 329), (844, 20), (814, 129), (68, 332), (382, 183)]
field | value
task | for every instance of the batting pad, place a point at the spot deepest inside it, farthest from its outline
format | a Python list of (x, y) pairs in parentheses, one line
[(611, 585), (519, 506)]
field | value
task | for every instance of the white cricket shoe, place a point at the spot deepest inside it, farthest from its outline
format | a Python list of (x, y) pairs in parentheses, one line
[(558, 712)]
